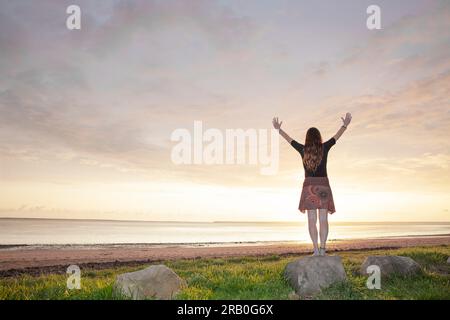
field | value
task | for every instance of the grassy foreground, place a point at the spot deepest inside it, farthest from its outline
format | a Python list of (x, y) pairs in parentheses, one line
[(251, 278)]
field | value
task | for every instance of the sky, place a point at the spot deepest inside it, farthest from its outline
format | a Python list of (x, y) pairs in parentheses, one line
[(87, 115)]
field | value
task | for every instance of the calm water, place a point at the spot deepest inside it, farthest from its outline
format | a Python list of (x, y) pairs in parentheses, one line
[(42, 231)]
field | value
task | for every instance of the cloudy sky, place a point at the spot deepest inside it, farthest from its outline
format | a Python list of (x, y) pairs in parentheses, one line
[(86, 115)]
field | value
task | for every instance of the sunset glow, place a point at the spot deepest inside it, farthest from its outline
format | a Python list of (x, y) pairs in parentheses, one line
[(87, 116)]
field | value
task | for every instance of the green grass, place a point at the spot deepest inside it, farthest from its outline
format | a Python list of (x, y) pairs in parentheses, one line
[(251, 278)]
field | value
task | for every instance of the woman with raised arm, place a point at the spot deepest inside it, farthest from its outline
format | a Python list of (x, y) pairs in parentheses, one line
[(316, 197)]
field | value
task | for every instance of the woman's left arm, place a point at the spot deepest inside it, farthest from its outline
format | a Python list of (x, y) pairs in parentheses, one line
[(277, 125), (346, 122)]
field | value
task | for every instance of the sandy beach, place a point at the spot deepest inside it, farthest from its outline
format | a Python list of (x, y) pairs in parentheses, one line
[(16, 260)]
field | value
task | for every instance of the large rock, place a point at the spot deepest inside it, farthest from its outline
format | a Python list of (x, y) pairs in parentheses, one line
[(154, 282), (391, 265), (311, 274)]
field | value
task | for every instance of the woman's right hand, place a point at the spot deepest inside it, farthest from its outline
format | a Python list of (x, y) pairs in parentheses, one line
[(276, 123), (347, 120)]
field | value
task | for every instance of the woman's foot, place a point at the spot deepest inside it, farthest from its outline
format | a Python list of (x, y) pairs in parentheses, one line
[(322, 252), (316, 253)]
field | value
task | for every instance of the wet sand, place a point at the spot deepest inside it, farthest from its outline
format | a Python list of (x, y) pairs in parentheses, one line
[(16, 260)]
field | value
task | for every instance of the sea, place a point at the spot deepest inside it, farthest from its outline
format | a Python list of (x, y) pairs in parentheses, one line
[(84, 232)]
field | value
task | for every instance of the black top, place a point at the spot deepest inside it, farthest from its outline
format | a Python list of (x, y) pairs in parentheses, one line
[(321, 170)]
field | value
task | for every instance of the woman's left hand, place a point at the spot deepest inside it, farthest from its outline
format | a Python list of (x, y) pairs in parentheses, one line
[(276, 123)]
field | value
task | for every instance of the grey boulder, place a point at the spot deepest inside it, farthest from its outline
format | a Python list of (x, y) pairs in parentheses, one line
[(154, 282), (308, 276), (391, 265)]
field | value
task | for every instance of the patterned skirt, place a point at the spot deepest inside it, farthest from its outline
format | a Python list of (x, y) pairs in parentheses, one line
[(316, 194)]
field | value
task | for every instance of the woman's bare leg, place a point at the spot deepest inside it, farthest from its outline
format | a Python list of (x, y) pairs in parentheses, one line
[(312, 227), (323, 221)]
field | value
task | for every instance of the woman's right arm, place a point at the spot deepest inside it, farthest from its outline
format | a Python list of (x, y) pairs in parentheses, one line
[(277, 125), (346, 122)]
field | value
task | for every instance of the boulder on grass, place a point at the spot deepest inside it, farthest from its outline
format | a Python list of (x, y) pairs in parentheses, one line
[(311, 274), (391, 265), (154, 282)]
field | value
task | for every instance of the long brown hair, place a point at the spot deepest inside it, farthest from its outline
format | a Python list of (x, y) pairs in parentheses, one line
[(313, 149)]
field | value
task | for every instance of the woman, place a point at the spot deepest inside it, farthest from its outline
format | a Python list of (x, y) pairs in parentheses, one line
[(316, 194)]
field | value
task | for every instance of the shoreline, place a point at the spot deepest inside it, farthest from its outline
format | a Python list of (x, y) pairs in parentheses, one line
[(195, 244), (55, 259)]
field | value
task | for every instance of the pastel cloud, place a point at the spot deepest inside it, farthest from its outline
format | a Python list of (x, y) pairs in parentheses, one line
[(100, 104)]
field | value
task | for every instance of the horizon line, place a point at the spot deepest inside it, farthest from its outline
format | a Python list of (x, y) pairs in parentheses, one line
[(221, 221)]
